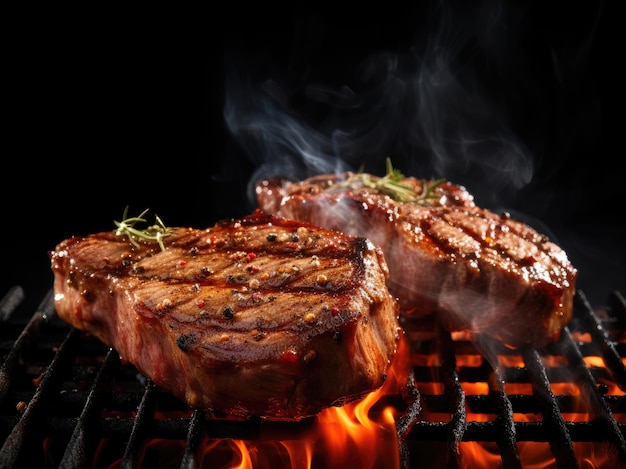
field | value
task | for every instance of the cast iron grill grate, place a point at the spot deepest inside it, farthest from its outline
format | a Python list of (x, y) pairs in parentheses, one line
[(66, 400)]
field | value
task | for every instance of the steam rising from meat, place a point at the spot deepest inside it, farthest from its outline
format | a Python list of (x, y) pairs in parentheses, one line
[(494, 97), (422, 107)]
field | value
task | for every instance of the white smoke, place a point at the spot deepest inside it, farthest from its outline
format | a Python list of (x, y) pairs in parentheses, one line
[(494, 96), (424, 106)]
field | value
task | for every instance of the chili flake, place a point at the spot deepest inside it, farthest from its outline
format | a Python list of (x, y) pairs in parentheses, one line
[(289, 356)]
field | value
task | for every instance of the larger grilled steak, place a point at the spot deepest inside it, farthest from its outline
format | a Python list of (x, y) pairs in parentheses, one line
[(478, 271), (253, 317)]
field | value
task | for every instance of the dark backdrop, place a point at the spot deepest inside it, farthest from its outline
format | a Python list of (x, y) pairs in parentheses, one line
[(179, 111)]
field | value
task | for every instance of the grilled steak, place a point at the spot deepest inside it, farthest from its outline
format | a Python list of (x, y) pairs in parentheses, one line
[(254, 317), (478, 271)]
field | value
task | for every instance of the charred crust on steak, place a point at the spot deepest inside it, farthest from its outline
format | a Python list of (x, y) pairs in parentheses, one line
[(251, 317), (475, 269)]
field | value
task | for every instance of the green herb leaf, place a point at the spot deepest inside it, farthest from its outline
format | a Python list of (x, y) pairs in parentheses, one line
[(152, 234), (391, 185)]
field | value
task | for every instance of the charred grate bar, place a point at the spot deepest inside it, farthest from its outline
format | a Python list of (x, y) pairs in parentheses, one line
[(67, 400), (408, 419), (559, 439), (561, 434), (83, 440), (592, 323)]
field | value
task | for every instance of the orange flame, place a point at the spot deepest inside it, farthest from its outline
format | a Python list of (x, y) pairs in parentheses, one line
[(359, 434), (363, 433)]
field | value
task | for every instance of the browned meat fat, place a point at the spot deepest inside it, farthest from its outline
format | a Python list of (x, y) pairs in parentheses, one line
[(254, 317), (478, 271)]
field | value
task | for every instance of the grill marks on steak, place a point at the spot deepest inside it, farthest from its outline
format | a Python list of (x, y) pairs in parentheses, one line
[(478, 271), (254, 317)]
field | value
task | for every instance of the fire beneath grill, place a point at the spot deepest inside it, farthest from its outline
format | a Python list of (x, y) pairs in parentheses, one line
[(66, 400)]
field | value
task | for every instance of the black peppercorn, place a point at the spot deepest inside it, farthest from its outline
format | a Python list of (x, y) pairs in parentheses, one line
[(184, 342), (228, 312)]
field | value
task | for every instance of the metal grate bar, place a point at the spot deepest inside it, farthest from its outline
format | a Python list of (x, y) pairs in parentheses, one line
[(505, 426), (456, 397), (559, 438), (193, 440), (86, 433), (145, 414), (168, 429), (35, 427), (7, 369), (30, 420), (524, 431), (408, 418), (616, 304), (27, 336), (600, 337), (590, 390)]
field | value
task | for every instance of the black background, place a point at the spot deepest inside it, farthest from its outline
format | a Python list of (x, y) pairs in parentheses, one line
[(113, 108)]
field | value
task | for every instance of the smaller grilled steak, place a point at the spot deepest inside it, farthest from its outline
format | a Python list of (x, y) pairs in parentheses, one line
[(253, 317), (476, 270)]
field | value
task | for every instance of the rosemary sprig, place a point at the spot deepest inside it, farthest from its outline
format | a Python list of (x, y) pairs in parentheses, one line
[(391, 184), (152, 234)]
